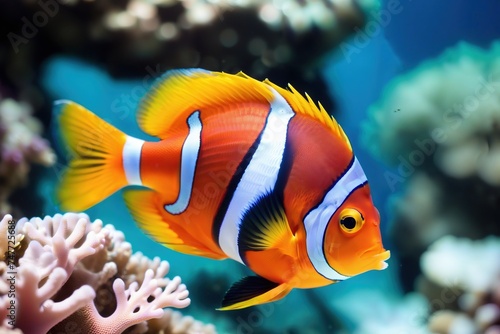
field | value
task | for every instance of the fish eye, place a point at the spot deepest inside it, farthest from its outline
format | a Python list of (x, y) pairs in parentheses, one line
[(351, 220)]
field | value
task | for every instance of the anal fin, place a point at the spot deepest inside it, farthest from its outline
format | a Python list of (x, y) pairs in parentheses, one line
[(251, 291)]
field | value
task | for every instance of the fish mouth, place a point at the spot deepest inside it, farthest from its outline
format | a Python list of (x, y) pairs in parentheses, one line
[(379, 260), (371, 259)]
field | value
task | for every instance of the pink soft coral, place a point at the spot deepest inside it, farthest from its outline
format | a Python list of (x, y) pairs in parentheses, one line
[(40, 278), (133, 306), (64, 260)]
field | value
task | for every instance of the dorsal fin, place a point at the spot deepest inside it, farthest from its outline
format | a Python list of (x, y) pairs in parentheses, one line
[(181, 92), (307, 107)]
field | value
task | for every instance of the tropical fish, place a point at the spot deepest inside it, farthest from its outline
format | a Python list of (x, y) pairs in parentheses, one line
[(244, 169)]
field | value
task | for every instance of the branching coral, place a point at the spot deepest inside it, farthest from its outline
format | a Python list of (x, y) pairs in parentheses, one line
[(65, 263), (20, 146), (41, 276), (133, 306), (468, 271)]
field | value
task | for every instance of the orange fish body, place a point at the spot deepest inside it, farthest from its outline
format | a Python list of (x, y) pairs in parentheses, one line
[(244, 170)]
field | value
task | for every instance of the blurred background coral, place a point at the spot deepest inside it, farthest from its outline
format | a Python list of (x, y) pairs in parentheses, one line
[(415, 85)]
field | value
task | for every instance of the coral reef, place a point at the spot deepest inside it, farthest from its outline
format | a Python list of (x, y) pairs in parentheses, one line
[(142, 39), (66, 272), (173, 322), (382, 313), (210, 34), (425, 212), (448, 107), (462, 283), (21, 145), (438, 125)]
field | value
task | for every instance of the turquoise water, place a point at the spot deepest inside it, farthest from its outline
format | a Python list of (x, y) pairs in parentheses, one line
[(399, 38)]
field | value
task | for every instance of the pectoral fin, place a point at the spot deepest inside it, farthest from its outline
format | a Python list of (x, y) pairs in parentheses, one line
[(265, 226), (251, 291)]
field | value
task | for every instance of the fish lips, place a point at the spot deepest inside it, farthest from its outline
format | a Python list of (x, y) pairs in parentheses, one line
[(377, 261)]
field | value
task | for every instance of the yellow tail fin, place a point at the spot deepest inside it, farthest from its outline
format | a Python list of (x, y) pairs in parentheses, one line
[(95, 168)]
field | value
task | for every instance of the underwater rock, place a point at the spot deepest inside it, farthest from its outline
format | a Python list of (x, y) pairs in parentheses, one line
[(21, 145), (64, 273), (468, 276)]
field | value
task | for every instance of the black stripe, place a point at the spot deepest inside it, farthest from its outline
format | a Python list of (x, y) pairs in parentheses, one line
[(285, 169), (331, 187), (278, 191), (263, 216), (329, 221), (233, 184), (323, 198)]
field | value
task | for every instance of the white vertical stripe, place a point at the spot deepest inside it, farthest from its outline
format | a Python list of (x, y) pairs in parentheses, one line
[(189, 157), (132, 160), (260, 175), (317, 220)]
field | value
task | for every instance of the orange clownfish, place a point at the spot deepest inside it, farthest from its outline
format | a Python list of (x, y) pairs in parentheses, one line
[(243, 169)]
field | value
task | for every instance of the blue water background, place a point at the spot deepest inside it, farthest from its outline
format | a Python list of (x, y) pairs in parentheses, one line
[(419, 31)]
